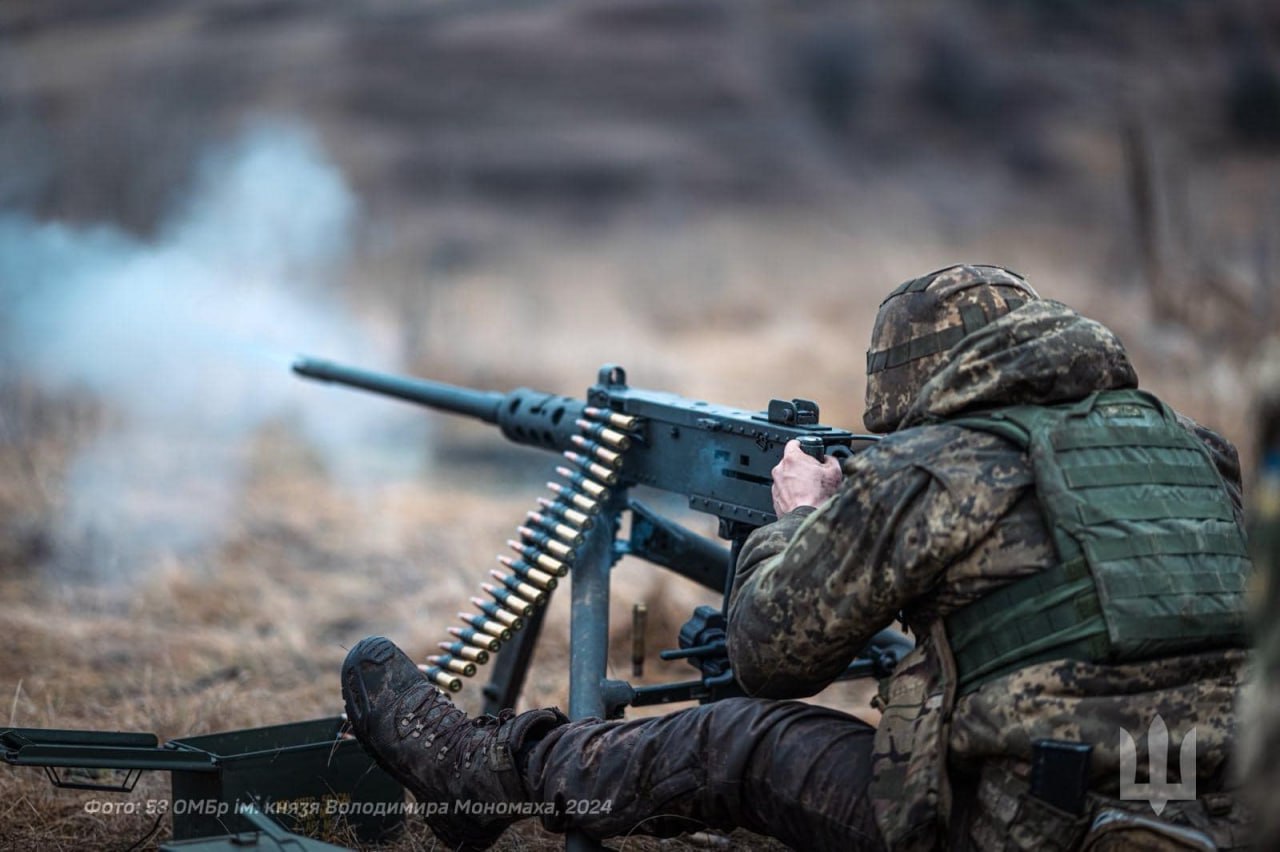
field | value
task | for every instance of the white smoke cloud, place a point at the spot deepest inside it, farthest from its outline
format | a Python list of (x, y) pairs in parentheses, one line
[(188, 337)]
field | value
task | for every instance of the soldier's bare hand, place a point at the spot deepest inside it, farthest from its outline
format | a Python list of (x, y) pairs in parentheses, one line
[(801, 480)]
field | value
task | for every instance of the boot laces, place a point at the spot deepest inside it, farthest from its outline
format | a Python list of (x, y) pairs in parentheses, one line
[(469, 736), (439, 712)]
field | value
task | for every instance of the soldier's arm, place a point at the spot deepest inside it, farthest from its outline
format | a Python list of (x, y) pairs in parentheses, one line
[(813, 587)]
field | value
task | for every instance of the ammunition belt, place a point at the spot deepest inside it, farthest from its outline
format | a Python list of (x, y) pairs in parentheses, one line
[(545, 547)]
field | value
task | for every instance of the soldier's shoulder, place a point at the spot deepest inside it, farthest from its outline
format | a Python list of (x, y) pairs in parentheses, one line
[(953, 455), (934, 441)]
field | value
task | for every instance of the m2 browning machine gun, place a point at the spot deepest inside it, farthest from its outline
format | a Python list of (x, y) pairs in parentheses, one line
[(719, 458)]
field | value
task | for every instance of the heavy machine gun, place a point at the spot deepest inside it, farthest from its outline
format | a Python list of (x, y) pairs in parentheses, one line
[(617, 438)]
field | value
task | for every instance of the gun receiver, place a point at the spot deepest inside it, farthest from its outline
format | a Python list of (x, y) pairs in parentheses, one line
[(717, 456)]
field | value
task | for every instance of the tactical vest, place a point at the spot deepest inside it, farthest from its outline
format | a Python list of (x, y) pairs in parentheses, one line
[(1151, 559)]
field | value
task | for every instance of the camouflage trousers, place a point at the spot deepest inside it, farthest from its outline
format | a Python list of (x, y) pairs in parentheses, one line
[(781, 768)]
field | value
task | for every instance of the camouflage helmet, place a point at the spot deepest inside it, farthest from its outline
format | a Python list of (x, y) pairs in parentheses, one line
[(920, 321)]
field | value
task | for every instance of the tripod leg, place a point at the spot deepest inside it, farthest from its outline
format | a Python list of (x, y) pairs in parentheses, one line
[(589, 633)]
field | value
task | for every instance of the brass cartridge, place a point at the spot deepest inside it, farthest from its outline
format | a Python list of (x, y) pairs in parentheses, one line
[(486, 625), (442, 679), (580, 501), (509, 600), (598, 451), (465, 652), (614, 439), (529, 574), (474, 637), (499, 613), (568, 514), (613, 418), (607, 475), (520, 587), (569, 534), (461, 667), (580, 480)]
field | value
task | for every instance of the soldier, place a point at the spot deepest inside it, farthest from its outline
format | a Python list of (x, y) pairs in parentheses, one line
[(1067, 551)]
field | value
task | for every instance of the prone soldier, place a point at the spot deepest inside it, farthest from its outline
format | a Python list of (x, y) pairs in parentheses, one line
[(1067, 550)]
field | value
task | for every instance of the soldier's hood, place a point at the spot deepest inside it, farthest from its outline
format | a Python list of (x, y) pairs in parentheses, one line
[(1041, 353)]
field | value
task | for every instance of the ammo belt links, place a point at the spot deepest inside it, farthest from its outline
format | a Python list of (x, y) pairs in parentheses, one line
[(544, 549)]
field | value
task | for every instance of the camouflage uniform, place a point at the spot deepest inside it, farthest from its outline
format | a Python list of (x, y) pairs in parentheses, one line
[(929, 520)]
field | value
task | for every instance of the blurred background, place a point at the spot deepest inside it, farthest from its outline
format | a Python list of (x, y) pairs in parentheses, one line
[(715, 194)]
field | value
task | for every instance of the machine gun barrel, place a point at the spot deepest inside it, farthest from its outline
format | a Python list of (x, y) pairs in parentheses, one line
[(525, 416), (482, 405)]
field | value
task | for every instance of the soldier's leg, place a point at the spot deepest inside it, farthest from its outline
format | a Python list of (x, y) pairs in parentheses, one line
[(786, 769)]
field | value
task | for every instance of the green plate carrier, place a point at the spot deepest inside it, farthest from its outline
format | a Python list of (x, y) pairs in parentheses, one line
[(1152, 561)]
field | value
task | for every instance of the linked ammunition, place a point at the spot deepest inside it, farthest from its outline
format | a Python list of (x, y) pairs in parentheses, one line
[(529, 574), (520, 587), (541, 541), (466, 652), (607, 475), (553, 567), (578, 479), (486, 625), (442, 679), (568, 514), (474, 637), (613, 418), (461, 667), (599, 451), (581, 501), (509, 600), (498, 613), (570, 535), (602, 433)]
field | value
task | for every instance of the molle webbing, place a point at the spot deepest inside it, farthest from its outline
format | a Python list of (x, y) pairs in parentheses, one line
[(1152, 560)]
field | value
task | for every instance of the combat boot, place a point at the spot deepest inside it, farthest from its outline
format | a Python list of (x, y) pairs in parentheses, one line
[(458, 768)]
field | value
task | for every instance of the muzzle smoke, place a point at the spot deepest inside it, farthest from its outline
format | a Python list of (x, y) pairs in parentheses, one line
[(187, 338)]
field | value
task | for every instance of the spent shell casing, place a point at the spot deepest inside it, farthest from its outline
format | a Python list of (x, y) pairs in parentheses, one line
[(607, 475), (529, 574), (486, 625), (499, 613), (447, 662), (465, 652), (568, 534), (613, 418), (509, 599), (578, 479), (598, 451), (441, 678), (581, 501), (536, 557), (605, 435), (639, 621), (474, 637), (542, 541), (520, 587), (568, 514)]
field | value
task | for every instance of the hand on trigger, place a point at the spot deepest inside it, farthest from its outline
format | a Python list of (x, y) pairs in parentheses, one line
[(801, 480)]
